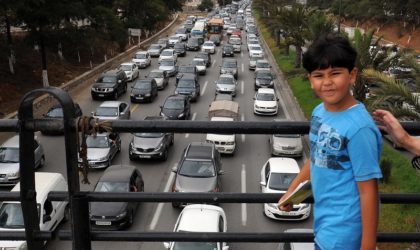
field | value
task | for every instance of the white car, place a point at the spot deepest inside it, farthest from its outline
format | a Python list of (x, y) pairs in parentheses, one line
[(209, 47), (131, 70), (262, 65), (154, 50), (174, 39), (200, 218), (253, 42), (142, 59), (200, 64), (289, 145), (265, 102), (112, 110), (168, 54), (255, 50), (276, 176), (297, 245), (224, 143)]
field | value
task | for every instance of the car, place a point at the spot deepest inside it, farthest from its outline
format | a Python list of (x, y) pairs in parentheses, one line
[(200, 218), (9, 160), (160, 76), (276, 175), (223, 97), (176, 107), (251, 36), (265, 102), (131, 70), (101, 149), (229, 66), (174, 39), (208, 47), (189, 86), (227, 50), (263, 79), (253, 61), (154, 50), (187, 69), (168, 54), (164, 43), (229, 30), (262, 65), (252, 29), (297, 245), (253, 42), (112, 110), (180, 49), (236, 32), (56, 112), (193, 44), (144, 90), (189, 25), (200, 64), (116, 215), (182, 33), (111, 84), (154, 145), (199, 170), (215, 39), (142, 59), (226, 84), (236, 43), (169, 66), (206, 56), (224, 143), (255, 50), (289, 145)]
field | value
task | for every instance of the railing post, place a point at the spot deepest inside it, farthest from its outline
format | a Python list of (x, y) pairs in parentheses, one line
[(81, 237)]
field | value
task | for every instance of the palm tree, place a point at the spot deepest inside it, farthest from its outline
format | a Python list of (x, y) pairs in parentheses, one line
[(319, 24)]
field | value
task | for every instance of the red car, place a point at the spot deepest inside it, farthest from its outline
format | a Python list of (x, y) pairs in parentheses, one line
[(236, 32)]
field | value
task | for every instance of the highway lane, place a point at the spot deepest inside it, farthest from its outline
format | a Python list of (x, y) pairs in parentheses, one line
[(242, 171)]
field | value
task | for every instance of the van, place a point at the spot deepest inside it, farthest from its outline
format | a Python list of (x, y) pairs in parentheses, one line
[(50, 213)]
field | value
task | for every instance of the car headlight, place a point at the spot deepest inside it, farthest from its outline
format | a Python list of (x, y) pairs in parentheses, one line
[(256, 106), (16, 174), (271, 83), (257, 82), (230, 143), (181, 115), (159, 146), (148, 94), (163, 114), (93, 89), (272, 205), (176, 92), (121, 215), (110, 89), (131, 94), (102, 158)]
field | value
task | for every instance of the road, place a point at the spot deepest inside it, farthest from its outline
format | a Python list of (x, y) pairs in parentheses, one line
[(242, 171)]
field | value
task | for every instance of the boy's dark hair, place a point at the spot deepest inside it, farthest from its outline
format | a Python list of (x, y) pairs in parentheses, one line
[(329, 50)]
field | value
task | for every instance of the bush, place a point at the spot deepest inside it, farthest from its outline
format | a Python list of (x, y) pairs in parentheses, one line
[(206, 5), (385, 165)]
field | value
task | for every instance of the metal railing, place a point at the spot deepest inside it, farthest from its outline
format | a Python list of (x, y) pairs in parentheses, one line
[(80, 233)]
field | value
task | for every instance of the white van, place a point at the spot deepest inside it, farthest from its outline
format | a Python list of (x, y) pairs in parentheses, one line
[(51, 213), (224, 143), (236, 43)]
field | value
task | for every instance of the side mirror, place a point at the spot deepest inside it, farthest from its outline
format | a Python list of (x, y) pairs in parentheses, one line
[(263, 184), (221, 172), (122, 113), (92, 113), (46, 218), (175, 169)]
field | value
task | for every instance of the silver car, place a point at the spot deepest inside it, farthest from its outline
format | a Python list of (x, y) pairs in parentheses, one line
[(286, 144), (168, 65), (101, 149), (9, 160), (226, 84), (112, 110), (161, 78), (154, 50)]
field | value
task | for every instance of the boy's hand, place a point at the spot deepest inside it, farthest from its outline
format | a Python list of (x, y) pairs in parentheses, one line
[(286, 208)]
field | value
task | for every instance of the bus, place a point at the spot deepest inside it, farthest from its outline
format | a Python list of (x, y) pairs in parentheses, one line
[(198, 30), (215, 26)]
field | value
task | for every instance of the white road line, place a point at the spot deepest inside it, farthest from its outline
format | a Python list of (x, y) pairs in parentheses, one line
[(203, 90), (214, 62), (242, 67), (242, 87), (192, 119), (242, 54), (243, 135), (159, 208), (243, 190)]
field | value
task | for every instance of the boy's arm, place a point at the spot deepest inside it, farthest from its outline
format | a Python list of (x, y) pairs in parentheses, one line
[(369, 208), (304, 174)]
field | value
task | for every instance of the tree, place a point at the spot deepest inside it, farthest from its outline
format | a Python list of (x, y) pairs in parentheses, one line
[(319, 24), (8, 12), (205, 5)]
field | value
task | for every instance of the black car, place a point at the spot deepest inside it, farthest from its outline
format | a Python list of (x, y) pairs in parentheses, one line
[(144, 90), (111, 84), (263, 79), (56, 112), (227, 50), (176, 107), (180, 49), (116, 215), (206, 56), (215, 39), (193, 44), (229, 66), (189, 86), (186, 69), (153, 145), (199, 170)]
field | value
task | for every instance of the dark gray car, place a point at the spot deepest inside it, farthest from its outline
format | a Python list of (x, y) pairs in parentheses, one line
[(199, 170), (189, 86), (263, 79), (102, 149)]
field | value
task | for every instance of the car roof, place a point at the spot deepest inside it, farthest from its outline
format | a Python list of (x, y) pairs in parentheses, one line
[(283, 165), (111, 72), (266, 90), (198, 59), (220, 118), (200, 218), (127, 63), (226, 75), (118, 173), (171, 50), (180, 97), (262, 61), (188, 76), (12, 142), (44, 183), (110, 104), (142, 52), (229, 60), (155, 118), (200, 150)]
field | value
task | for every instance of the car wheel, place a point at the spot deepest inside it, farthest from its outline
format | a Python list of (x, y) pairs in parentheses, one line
[(109, 161), (116, 95), (130, 219), (165, 155), (172, 141), (41, 162), (176, 204), (132, 158), (119, 148)]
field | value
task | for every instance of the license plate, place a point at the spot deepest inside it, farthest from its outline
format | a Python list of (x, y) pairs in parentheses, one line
[(101, 95), (144, 156), (103, 223), (139, 97)]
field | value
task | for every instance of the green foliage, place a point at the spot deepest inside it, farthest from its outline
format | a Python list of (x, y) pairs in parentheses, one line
[(385, 165), (206, 5)]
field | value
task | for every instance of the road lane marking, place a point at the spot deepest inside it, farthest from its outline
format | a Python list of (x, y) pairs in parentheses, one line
[(242, 87), (242, 54), (242, 67), (134, 107), (243, 135), (192, 119), (243, 190), (203, 90), (214, 62), (159, 208)]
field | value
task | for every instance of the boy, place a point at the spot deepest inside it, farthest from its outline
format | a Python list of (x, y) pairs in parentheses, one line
[(345, 147)]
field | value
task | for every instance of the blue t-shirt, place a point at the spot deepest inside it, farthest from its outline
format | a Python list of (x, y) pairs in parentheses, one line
[(345, 148)]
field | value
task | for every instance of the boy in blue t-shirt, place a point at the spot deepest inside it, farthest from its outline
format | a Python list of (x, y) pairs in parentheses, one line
[(345, 148)]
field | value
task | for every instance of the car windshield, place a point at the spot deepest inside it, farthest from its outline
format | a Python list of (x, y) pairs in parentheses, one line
[(265, 97), (193, 168), (264, 75), (167, 63), (108, 79), (11, 216), (149, 135), (198, 62), (255, 58), (287, 135), (173, 104), (181, 31), (228, 48), (235, 41), (9, 155), (156, 74), (193, 41), (143, 85), (255, 48), (126, 67), (186, 69), (253, 42), (155, 46), (225, 80), (280, 181), (263, 65), (97, 142), (106, 111), (167, 53), (229, 64), (208, 44), (183, 83), (110, 186), (195, 246), (55, 112), (140, 56)]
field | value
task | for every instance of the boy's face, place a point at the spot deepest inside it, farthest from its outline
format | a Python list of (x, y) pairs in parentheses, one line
[(333, 85)]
